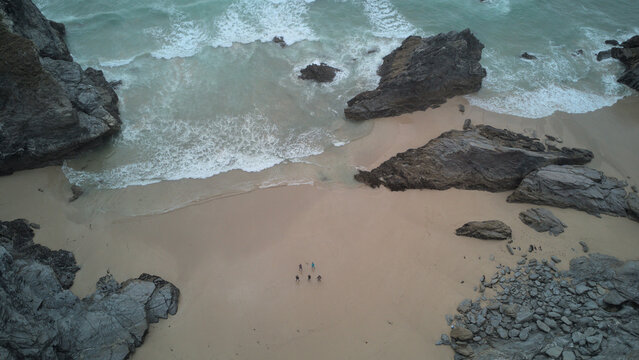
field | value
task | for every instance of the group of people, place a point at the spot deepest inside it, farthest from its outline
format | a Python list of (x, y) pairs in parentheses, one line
[(309, 277)]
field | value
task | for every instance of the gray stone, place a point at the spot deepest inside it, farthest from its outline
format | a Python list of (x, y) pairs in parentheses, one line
[(576, 187), (464, 306), (320, 73), (581, 288), (542, 326), (542, 220), (568, 355), (461, 333), (554, 352), (422, 73), (555, 259)]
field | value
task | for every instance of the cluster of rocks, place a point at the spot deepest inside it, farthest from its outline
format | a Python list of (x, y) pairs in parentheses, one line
[(42, 319), (628, 55), (319, 73), (50, 107), (422, 73), (538, 312), (486, 158)]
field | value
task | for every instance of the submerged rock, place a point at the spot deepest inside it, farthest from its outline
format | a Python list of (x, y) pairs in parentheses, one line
[(528, 56), (42, 319), (542, 220), (577, 187), (479, 158), (279, 40), (422, 73), (319, 73), (50, 107), (487, 230)]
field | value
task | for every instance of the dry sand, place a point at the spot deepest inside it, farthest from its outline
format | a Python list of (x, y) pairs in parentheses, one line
[(390, 262)]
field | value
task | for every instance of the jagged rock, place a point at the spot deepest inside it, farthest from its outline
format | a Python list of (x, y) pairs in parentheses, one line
[(480, 158), (528, 56), (632, 206), (542, 220), (279, 40), (628, 55), (602, 55), (43, 320), (576, 187), (50, 107), (422, 73), (487, 230), (319, 73), (611, 42)]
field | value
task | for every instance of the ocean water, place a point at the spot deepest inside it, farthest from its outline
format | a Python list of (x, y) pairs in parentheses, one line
[(205, 91)]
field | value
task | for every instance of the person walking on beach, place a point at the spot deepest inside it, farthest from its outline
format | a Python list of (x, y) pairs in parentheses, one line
[(300, 267), (313, 266), (309, 277), (319, 278), (297, 278)]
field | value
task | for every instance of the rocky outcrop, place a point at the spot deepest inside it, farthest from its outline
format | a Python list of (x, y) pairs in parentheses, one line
[(279, 40), (577, 187), (540, 313), (480, 158), (528, 56), (628, 55), (422, 73), (319, 73), (486, 230), (42, 319), (49, 107), (542, 220)]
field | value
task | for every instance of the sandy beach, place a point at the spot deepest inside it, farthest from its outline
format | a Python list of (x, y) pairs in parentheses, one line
[(390, 262)]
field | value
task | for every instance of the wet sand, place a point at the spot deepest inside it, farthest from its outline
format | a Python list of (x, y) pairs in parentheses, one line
[(390, 262)]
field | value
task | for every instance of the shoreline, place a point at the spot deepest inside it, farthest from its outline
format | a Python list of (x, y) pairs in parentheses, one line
[(391, 264)]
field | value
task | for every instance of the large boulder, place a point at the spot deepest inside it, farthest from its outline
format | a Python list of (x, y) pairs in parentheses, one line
[(422, 73), (42, 319), (479, 158), (486, 230), (49, 107), (575, 187), (542, 220)]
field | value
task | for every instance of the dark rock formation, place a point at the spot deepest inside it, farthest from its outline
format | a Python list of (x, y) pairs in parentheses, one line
[(589, 312), (611, 42), (542, 220), (628, 55), (279, 40), (49, 107), (486, 230), (575, 187), (480, 158), (319, 73), (527, 56), (42, 319), (422, 73)]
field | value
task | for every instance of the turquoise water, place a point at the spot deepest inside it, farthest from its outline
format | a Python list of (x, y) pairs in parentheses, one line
[(205, 90)]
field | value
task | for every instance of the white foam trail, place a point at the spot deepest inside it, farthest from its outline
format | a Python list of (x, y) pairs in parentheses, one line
[(251, 143), (386, 20), (185, 39), (544, 102)]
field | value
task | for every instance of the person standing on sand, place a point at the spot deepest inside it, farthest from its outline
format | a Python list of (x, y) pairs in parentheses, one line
[(319, 277), (297, 278), (300, 267), (309, 277), (313, 266)]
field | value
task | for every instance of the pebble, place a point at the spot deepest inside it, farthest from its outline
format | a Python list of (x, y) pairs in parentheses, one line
[(584, 246), (555, 259)]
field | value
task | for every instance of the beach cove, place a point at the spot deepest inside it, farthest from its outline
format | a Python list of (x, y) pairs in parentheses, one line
[(391, 264)]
